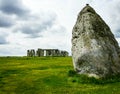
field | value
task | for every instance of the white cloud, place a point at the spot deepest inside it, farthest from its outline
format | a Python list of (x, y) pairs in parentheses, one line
[(3, 38), (34, 25)]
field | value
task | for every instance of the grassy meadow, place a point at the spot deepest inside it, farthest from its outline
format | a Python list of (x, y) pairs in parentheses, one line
[(46, 75)]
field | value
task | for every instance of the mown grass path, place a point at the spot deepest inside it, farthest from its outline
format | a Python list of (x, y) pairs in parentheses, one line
[(45, 75)]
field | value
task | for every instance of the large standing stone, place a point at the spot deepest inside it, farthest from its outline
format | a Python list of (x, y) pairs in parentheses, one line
[(40, 52), (95, 51)]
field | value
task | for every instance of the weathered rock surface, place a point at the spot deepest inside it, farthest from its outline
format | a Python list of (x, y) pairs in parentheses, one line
[(95, 51)]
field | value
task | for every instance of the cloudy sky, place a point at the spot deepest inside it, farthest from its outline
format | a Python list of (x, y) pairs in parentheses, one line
[(32, 24)]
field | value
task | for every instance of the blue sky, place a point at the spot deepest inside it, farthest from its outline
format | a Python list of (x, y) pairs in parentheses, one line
[(32, 24)]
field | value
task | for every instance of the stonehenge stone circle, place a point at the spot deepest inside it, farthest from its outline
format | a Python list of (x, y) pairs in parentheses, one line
[(46, 52)]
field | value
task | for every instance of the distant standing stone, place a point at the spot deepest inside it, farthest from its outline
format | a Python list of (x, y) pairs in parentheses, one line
[(95, 51)]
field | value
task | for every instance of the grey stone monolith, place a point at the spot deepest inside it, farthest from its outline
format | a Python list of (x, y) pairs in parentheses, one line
[(95, 51)]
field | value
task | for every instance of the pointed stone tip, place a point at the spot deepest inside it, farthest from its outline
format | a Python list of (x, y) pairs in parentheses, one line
[(87, 9), (87, 4)]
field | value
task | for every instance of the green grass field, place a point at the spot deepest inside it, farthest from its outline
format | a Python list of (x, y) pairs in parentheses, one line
[(46, 75)]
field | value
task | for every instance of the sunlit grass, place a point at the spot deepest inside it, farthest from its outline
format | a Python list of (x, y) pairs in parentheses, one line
[(46, 75)]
